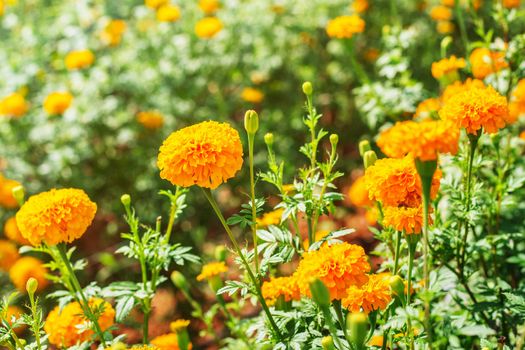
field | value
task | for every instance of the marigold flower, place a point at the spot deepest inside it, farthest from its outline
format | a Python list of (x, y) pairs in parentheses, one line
[(280, 286), (517, 101), (338, 266), (8, 254), (441, 13), (151, 119), (79, 59), (447, 66), (458, 87), (477, 108), (168, 13), (344, 27), (7, 200), (511, 3), (113, 31), (318, 236), (445, 27), (209, 7), (57, 102), (448, 3), (179, 325), (155, 4), (405, 219), (25, 268), (358, 193), (168, 341), (376, 340), (373, 295), (252, 95), (427, 108), (12, 232), (14, 311), (208, 27), (56, 216), (360, 6), (205, 154), (271, 218), (485, 62), (211, 270), (69, 326), (13, 105)]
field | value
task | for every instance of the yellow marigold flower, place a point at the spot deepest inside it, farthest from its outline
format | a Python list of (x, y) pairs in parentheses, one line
[(441, 13), (344, 27), (151, 119), (427, 108), (271, 218), (458, 87), (168, 13), (69, 326), (211, 270), (79, 59), (338, 266), (280, 286), (360, 6), (168, 341), (144, 347), (179, 325), (7, 200), (318, 236), (373, 295), (16, 312), (395, 182), (113, 31), (358, 193), (56, 216), (209, 7), (252, 95), (477, 108), (2, 8), (8, 254), (13, 105), (57, 102), (485, 62), (12, 232), (25, 268), (511, 3), (376, 340), (405, 219), (447, 66), (155, 4), (448, 3), (517, 101), (205, 154), (445, 27), (208, 27), (372, 215), (288, 188)]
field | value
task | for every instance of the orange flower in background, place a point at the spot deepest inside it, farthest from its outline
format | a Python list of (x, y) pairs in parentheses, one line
[(338, 266), (252, 95), (373, 295), (445, 27), (405, 219), (56, 216), (68, 326), (211, 270), (8, 254), (168, 341), (155, 4), (344, 27), (151, 119), (13, 105), (7, 200), (477, 108), (168, 13), (208, 27), (441, 13), (358, 193), (517, 101), (485, 62), (16, 312), (511, 3), (276, 287), (79, 59), (318, 236), (449, 3), (428, 108), (113, 31), (205, 154), (372, 54), (447, 66), (12, 232), (57, 102), (458, 87), (25, 268), (271, 218), (209, 7), (360, 6)]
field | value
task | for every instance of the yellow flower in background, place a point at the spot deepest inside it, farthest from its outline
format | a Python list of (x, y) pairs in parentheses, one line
[(428, 108), (57, 102), (179, 325), (318, 236), (511, 3), (79, 59), (517, 101), (208, 27), (2, 7), (13, 105), (151, 119), (155, 4), (68, 326), (376, 340), (56, 216), (209, 7), (113, 31), (485, 62), (449, 3), (375, 294), (168, 13), (8, 254), (285, 287), (211, 270), (441, 13), (205, 154), (344, 27), (25, 268), (252, 95), (7, 200), (270, 218), (445, 27), (447, 66), (358, 193), (168, 341), (12, 232), (406, 219), (360, 6)]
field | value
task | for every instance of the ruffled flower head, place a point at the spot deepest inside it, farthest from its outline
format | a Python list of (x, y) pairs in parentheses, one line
[(373, 295), (447, 66), (211, 270), (285, 287), (404, 219)]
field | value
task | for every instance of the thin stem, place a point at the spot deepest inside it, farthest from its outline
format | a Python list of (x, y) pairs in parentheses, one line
[(251, 140), (426, 183), (411, 254), (358, 69), (173, 211), (461, 22), (336, 304), (398, 247), (36, 320)]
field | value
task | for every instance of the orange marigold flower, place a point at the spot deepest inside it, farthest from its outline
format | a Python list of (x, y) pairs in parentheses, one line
[(209, 7), (271, 218), (7, 200), (68, 326), (517, 101), (360, 6), (338, 266), (511, 3), (113, 31), (458, 87), (485, 62), (447, 66), (14, 312), (395, 182), (211, 270), (168, 13), (376, 340), (405, 219), (373, 295), (448, 3), (168, 341), (358, 193), (57, 102), (252, 95), (12, 232), (8, 254), (344, 27), (151, 119), (13, 105), (281, 286), (318, 236), (25, 268), (477, 108), (208, 27), (445, 27), (56, 216), (372, 54), (427, 108), (441, 13), (372, 215), (155, 4), (205, 154), (79, 59)]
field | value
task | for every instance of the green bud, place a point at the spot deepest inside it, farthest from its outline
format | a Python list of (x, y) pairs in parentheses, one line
[(364, 146), (308, 88), (31, 286), (334, 139), (215, 283), (19, 194), (220, 253), (357, 325), (426, 169), (328, 343), (397, 285), (179, 280), (125, 199), (320, 294), (268, 139), (251, 121), (369, 158)]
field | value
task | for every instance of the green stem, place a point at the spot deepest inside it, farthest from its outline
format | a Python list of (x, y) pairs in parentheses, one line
[(173, 211), (36, 320), (358, 69), (411, 254), (251, 140), (461, 22), (398, 247), (336, 304)]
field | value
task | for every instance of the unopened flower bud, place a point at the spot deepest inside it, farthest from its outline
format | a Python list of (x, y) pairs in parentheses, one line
[(179, 280), (268, 139), (125, 199), (307, 88), (364, 146), (320, 294), (251, 121), (369, 158), (19, 194), (328, 343), (357, 325), (31, 286), (397, 285), (334, 139)]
